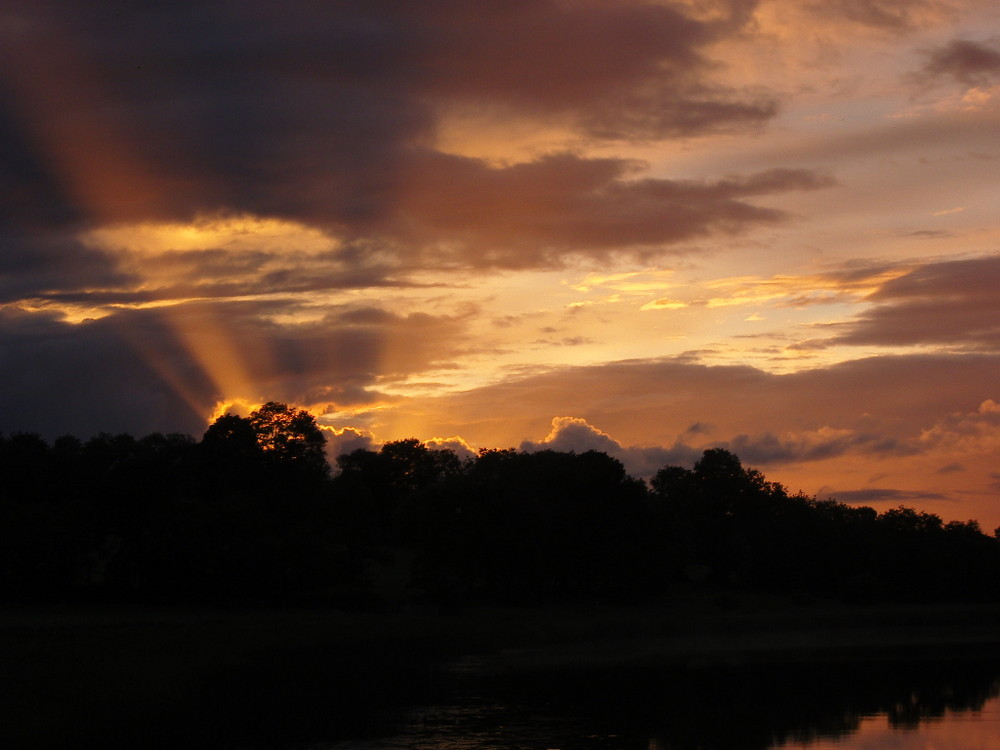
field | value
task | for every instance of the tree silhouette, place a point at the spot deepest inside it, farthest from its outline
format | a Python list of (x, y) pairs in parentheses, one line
[(290, 436), (250, 513), (232, 436)]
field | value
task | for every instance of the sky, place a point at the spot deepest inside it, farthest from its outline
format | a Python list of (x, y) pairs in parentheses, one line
[(648, 228)]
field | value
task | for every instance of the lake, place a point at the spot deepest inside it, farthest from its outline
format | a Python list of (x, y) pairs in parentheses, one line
[(870, 702), (604, 681)]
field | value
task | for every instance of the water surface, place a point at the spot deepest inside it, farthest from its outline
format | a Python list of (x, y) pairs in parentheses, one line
[(867, 703)]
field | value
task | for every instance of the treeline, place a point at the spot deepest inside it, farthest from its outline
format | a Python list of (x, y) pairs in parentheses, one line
[(253, 513)]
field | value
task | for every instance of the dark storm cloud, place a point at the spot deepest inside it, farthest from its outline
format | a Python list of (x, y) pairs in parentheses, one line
[(32, 195), (86, 379), (953, 303), (165, 369), (33, 264), (310, 111), (970, 63)]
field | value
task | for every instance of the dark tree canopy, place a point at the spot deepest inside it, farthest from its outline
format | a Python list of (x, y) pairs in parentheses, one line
[(289, 435), (231, 436), (274, 433), (251, 513)]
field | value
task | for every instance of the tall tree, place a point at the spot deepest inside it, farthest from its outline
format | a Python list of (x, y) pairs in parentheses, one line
[(290, 436)]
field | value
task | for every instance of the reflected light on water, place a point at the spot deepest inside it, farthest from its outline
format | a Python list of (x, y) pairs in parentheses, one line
[(475, 721), (956, 730)]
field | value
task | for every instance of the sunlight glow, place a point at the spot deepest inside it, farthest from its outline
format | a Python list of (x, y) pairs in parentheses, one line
[(239, 407), (243, 233)]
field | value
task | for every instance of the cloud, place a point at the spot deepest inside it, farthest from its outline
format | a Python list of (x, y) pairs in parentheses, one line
[(35, 263), (86, 379), (890, 15), (878, 405), (528, 215), (816, 445), (967, 432), (345, 440), (952, 303), (167, 368), (846, 284), (996, 484), (455, 444), (327, 118), (621, 71), (970, 63), (312, 111), (880, 495), (577, 435), (573, 434), (532, 213)]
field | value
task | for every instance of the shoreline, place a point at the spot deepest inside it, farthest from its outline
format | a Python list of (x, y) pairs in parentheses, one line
[(694, 626)]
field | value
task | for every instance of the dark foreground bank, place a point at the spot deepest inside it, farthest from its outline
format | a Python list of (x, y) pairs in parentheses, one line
[(145, 678)]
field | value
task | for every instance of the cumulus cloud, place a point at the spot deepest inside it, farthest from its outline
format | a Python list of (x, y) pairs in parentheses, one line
[(340, 441), (455, 444), (574, 434), (967, 432)]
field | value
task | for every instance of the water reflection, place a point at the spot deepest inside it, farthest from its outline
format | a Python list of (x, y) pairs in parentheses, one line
[(973, 729), (863, 704)]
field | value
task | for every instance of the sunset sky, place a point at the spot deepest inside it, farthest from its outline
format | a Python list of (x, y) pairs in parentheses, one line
[(647, 228)]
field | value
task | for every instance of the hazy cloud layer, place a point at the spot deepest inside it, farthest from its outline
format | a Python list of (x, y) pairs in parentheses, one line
[(892, 15), (818, 445), (524, 215), (875, 406), (882, 495), (952, 303), (968, 62)]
